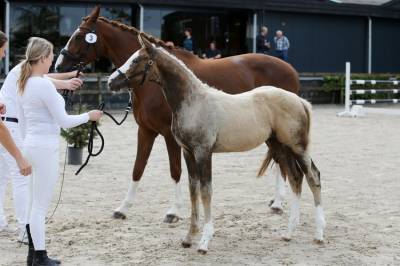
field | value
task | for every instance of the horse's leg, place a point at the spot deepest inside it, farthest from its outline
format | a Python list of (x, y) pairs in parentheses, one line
[(204, 169), (314, 182), (294, 217), (174, 154), (145, 143), (276, 203), (194, 198)]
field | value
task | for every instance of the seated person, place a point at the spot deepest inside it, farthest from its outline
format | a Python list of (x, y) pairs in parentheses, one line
[(212, 52)]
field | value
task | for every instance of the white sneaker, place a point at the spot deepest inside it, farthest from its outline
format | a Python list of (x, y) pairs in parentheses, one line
[(7, 229), (22, 237)]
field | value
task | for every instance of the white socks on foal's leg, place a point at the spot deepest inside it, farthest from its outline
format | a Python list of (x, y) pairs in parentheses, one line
[(320, 223), (294, 218)]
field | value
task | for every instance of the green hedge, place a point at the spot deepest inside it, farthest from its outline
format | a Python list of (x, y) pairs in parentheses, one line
[(337, 83)]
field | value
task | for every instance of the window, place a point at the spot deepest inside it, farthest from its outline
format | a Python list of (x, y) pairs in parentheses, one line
[(55, 23)]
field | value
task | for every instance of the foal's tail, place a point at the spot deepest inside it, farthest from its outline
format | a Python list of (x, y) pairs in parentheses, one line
[(283, 155)]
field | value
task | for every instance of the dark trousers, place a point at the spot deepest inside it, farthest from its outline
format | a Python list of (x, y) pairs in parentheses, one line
[(282, 54)]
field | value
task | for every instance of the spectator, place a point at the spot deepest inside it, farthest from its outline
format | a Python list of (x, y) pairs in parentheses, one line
[(212, 52), (262, 44), (188, 41), (281, 45)]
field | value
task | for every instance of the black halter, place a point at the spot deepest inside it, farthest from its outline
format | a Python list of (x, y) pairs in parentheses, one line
[(144, 72), (79, 59)]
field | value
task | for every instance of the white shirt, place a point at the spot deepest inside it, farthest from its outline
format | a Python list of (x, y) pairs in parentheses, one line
[(41, 113), (8, 93)]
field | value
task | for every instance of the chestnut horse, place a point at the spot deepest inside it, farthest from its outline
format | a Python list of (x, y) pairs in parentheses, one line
[(235, 74), (207, 121)]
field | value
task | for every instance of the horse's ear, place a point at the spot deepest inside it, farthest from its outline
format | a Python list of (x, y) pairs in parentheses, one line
[(149, 46), (94, 14)]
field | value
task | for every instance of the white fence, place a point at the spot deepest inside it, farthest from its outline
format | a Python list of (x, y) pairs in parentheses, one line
[(355, 107)]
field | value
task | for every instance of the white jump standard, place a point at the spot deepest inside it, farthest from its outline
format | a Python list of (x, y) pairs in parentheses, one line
[(354, 107)]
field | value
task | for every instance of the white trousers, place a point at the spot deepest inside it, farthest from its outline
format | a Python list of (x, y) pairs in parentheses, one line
[(9, 169), (45, 171)]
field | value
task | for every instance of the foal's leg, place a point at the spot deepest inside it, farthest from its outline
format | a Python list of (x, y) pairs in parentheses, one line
[(174, 154), (276, 203), (194, 198), (145, 143), (294, 218), (313, 179), (204, 170)]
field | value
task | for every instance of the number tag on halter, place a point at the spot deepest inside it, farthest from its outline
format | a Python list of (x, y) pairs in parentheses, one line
[(91, 38)]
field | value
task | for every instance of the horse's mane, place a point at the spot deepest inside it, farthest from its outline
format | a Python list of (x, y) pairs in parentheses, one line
[(133, 30)]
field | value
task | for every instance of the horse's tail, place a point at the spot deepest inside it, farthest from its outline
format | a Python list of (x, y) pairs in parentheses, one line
[(284, 156)]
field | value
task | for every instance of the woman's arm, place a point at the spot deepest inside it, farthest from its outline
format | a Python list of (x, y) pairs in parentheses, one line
[(56, 108), (65, 81), (70, 84), (8, 143), (66, 75)]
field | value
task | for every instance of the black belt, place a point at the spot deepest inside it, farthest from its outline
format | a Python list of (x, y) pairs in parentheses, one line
[(9, 119)]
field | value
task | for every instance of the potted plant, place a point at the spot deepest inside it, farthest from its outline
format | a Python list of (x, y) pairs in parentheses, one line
[(77, 138)]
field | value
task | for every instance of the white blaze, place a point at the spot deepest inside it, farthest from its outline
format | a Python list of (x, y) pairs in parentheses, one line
[(61, 57), (124, 68)]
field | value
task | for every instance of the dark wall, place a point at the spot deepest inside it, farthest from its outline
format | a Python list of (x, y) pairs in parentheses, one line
[(385, 45), (321, 43)]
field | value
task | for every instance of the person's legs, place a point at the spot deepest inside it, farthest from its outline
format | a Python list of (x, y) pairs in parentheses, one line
[(20, 182), (285, 55), (20, 190), (3, 185), (45, 174), (279, 54), (44, 178), (45, 163)]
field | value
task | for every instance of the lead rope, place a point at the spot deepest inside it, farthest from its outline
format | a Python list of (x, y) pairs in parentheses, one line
[(94, 129)]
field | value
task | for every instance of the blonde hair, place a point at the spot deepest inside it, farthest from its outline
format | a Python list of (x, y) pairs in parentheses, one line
[(37, 49)]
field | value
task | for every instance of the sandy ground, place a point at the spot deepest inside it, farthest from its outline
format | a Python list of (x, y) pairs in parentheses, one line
[(360, 171)]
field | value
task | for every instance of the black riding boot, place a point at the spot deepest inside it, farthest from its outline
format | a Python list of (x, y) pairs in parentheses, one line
[(40, 259), (31, 249)]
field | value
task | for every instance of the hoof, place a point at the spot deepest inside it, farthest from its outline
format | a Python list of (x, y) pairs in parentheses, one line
[(119, 215), (202, 251), (318, 241), (186, 244), (171, 218), (286, 239), (276, 210), (271, 202)]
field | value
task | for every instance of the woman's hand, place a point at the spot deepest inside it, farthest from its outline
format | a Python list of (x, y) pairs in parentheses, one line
[(24, 167), (73, 74), (72, 84), (2, 109), (95, 115)]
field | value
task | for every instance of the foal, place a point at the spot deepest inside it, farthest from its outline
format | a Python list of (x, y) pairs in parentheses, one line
[(206, 120)]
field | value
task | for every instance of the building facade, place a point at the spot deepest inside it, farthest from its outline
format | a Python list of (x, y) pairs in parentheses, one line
[(323, 35)]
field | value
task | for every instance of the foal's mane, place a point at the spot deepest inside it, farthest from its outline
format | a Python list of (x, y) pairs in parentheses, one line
[(133, 30), (190, 75)]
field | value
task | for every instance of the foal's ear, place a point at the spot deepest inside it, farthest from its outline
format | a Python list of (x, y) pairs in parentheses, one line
[(94, 14), (149, 46)]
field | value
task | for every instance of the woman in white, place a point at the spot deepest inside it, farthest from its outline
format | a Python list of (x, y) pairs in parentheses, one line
[(41, 113), (9, 151), (8, 166)]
